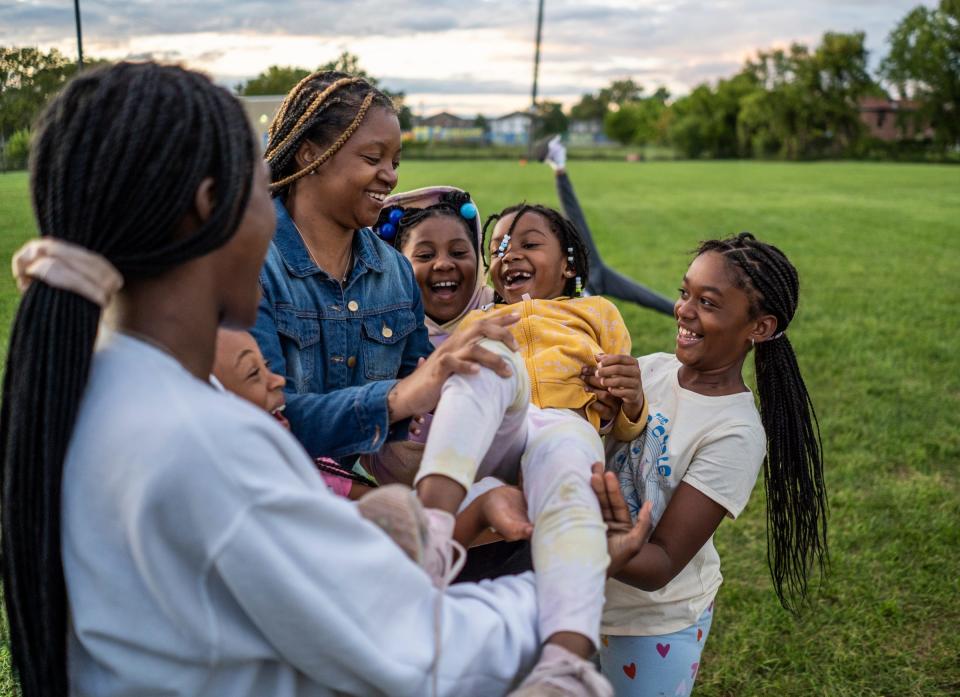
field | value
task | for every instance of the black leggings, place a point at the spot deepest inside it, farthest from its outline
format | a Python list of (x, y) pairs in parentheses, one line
[(603, 280)]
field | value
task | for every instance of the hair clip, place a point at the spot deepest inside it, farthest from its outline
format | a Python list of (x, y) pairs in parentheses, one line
[(570, 254), (504, 243), (578, 287)]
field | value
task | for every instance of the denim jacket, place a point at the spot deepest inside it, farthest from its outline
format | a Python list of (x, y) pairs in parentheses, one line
[(341, 349)]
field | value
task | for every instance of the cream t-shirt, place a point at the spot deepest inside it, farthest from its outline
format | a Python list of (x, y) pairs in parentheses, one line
[(714, 444)]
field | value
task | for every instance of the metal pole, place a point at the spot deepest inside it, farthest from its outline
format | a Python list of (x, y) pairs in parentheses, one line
[(76, 12), (536, 54), (536, 74)]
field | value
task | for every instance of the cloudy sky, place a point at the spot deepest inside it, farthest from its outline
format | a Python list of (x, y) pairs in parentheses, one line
[(465, 56)]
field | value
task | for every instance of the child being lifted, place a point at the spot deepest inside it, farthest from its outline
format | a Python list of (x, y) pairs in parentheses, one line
[(541, 423)]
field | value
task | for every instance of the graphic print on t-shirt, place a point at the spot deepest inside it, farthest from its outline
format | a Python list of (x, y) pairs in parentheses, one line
[(644, 468)]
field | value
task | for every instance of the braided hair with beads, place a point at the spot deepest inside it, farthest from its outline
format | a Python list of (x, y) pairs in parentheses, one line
[(570, 241), (326, 107), (793, 469), (117, 160)]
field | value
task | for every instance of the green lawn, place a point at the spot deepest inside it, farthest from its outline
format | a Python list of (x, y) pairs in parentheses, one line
[(878, 248)]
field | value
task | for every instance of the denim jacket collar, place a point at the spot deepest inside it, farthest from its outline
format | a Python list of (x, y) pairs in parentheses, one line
[(297, 259)]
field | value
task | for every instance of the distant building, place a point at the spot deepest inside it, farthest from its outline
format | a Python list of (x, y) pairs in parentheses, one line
[(447, 128), (260, 112), (511, 129), (890, 119), (586, 132)]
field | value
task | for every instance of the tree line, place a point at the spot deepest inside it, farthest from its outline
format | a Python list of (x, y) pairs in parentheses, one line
[(790, 103), (798, 102)]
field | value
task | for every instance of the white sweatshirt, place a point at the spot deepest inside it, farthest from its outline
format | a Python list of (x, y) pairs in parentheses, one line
[(204, 556)]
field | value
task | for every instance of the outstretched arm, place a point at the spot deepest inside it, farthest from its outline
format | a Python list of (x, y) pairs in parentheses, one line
[(602, 280)]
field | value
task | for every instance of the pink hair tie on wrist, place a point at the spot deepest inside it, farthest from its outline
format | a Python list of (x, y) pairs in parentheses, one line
[(66, 266)]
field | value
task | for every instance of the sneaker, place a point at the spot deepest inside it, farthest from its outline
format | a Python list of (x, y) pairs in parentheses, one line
[(560, 673), (556, 154), (396, 510)]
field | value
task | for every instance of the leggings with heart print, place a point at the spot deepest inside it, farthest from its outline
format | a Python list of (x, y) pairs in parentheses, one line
[(655, 666)]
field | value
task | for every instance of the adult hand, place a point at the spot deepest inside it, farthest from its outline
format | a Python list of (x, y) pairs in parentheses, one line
[(620, 376), (624, 537), (419, 392)]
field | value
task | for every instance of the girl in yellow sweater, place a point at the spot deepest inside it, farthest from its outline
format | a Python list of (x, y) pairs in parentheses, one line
[(541, 422)]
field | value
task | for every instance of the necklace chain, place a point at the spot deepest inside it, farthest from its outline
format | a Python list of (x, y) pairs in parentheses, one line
[(347, 268)]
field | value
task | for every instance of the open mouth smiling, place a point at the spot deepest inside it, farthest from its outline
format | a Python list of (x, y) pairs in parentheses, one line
[(278, 415), (686, 337), (445, 289), (513, 279)]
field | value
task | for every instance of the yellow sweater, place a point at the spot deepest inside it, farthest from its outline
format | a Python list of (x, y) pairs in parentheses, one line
[(557, 339)]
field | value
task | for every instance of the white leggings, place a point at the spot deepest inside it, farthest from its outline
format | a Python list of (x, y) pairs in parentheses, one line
[(485, 425)]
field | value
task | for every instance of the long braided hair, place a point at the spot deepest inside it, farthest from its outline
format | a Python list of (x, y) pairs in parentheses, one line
[(326, 107), (565, 231), (793, 469), (116, 163)]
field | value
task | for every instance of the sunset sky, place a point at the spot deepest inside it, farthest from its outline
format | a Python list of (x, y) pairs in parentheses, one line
[(464, 57)]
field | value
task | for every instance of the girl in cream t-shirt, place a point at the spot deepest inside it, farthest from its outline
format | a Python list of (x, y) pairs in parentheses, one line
[(697, 461), (716, 445)]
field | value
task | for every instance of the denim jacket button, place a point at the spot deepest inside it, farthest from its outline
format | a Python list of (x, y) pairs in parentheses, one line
[(387, 332), (353, 306), (352, 361)]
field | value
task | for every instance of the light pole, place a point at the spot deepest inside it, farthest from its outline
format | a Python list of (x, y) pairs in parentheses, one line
[(536, 74), (76, 12)]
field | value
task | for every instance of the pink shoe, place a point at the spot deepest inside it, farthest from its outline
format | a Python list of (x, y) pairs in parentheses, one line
[(560, 673), (424, 534), (443, 556), (396, 510)]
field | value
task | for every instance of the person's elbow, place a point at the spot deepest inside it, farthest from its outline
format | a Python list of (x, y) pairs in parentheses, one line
[(646, 582)]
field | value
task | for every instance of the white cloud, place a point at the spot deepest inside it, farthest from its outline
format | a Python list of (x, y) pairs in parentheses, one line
[(452, 54)]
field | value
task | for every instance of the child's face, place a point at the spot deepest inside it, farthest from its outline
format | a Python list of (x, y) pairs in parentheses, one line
[(445, 266), (714, 323), (240, 367), (533, 264)]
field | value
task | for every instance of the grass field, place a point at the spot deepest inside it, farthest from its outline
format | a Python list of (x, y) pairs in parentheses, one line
[(878, 248)]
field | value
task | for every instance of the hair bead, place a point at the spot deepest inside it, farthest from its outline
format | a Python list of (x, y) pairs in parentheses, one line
[(468, 211)]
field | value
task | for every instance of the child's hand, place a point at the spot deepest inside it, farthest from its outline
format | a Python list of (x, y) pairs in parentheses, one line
[(416, 424), (624, 537), (607, 406), (620, 376)]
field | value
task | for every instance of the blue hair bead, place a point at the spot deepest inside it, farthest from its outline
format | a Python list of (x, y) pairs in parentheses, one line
[(395, 215), (387, 231), (468, 210)]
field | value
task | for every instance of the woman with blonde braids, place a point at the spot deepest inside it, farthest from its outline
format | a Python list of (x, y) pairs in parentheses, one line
[(341, 315)]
